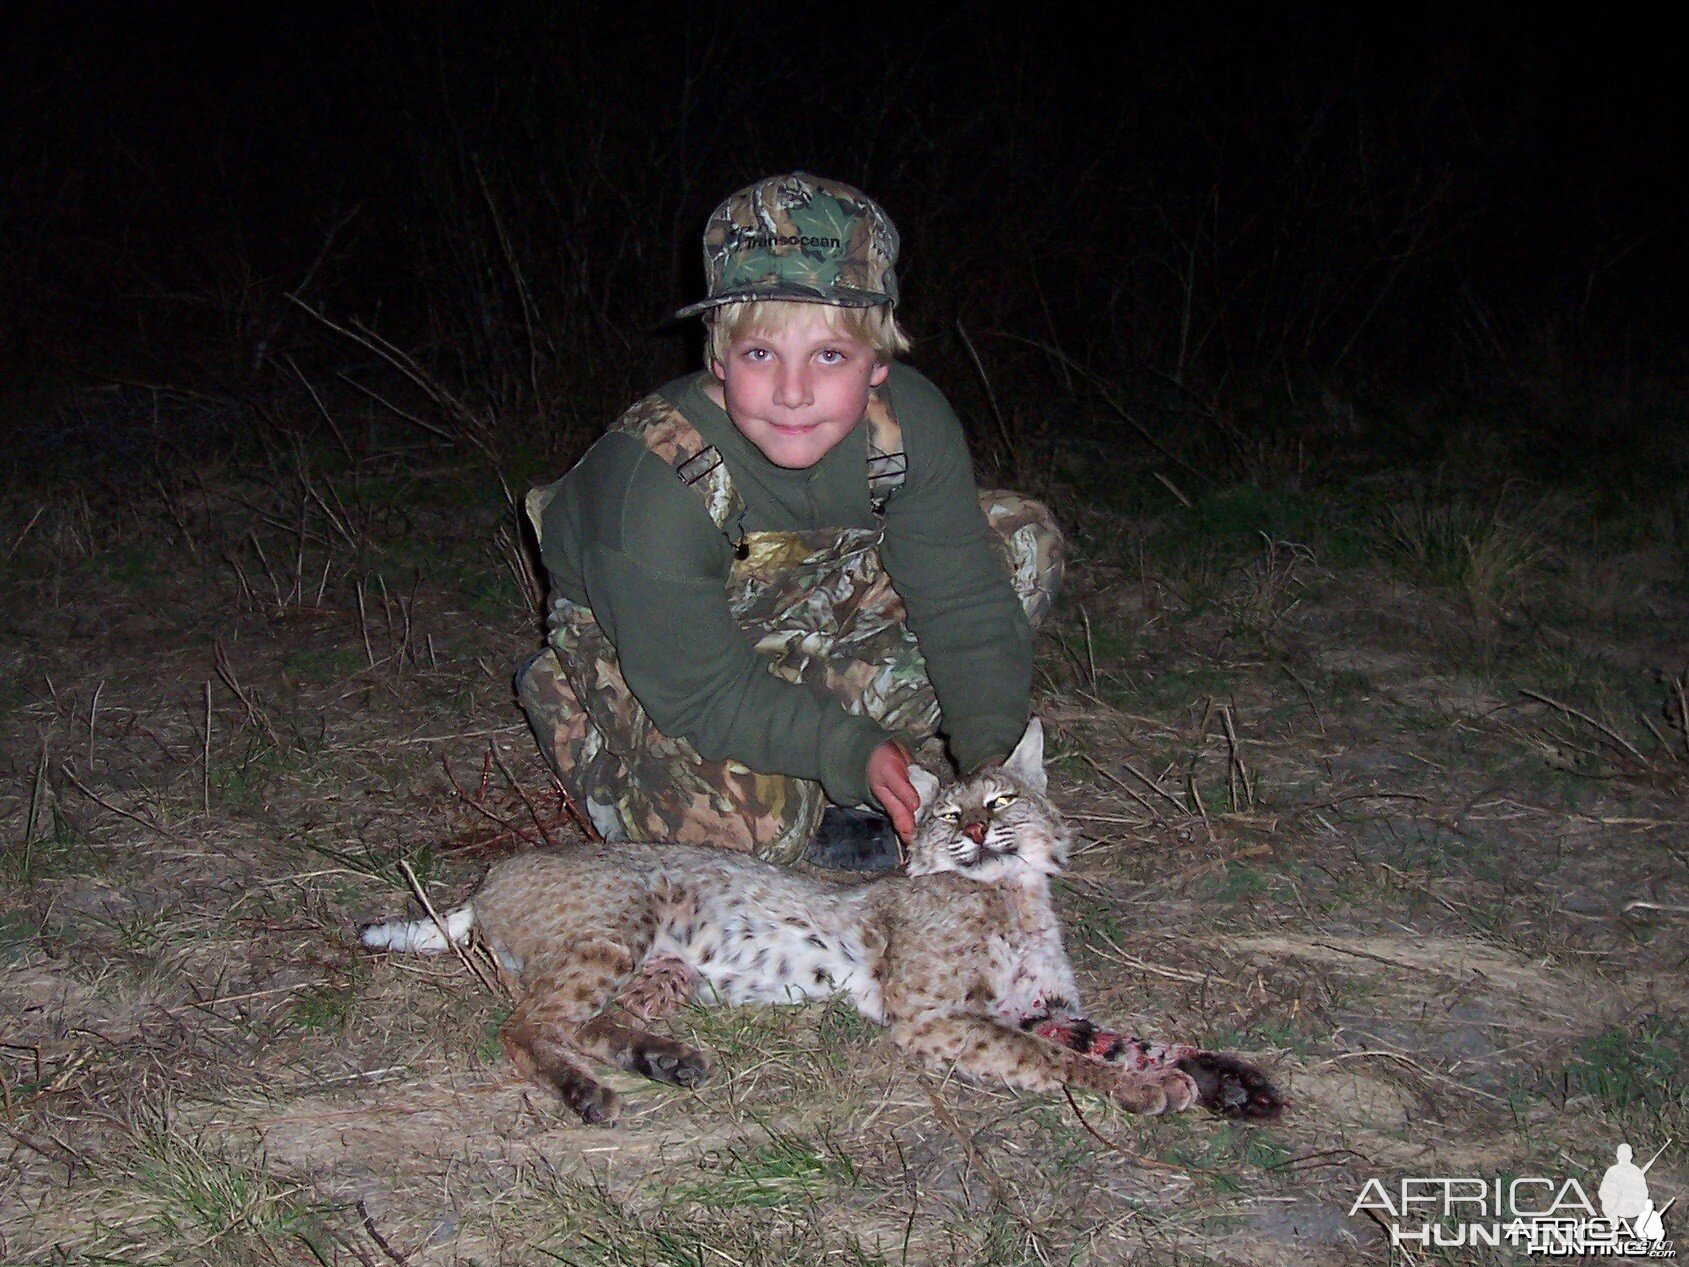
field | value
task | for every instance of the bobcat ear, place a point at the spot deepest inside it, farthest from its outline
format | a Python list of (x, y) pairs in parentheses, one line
[(1026, 762), (926, 786)]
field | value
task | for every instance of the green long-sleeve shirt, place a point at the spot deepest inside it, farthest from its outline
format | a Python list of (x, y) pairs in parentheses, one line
[(623, 536)]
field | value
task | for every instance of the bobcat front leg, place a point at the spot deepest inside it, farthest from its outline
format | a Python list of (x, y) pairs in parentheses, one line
[(985, 1051), (1090, 1040), (1226, 1084)]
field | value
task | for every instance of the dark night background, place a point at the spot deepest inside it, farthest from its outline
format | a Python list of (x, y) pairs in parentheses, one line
[(1226, 222)]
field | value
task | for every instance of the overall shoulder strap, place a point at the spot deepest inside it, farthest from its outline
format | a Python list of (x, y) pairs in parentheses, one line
[(888, 465), (662, 428)]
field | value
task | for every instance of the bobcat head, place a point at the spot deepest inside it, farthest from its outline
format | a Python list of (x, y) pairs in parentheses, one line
[(994, 825)]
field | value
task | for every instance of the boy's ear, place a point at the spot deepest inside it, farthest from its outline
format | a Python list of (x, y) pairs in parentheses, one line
[(926, 786), (1026, 762), (880, 374)]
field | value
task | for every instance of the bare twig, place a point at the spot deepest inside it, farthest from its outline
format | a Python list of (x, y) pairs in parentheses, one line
[(131, 815), (1605, 731), (990, 396), (1137, 1159), (1154, 786), (1124, 786), (1237, 772), (475, 804), (580, 820), (1640, 905), (1413, 1064), (205, 781), (1090, 651), (254, 714), (521, 791), (18, 540), (458, 950), (376, 1236), (1115, 402), (363, 624)]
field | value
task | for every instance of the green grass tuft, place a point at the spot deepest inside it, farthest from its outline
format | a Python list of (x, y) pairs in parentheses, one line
[(787, 1170), (1488, 553), (1644, 1070)]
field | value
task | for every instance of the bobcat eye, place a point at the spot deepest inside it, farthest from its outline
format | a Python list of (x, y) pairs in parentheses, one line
[(1002, 802), (950, 815)]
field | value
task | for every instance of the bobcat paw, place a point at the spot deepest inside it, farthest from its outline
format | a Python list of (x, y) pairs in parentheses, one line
[(662, 985), (666, 1061), (1153, 1091), (1232, 1087), (597, 1104)]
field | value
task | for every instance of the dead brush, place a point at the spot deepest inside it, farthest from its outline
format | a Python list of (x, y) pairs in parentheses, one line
[(304, 517), (504, 812), (1584, 744), (461, 423), (1271, 586), (1268, 457)]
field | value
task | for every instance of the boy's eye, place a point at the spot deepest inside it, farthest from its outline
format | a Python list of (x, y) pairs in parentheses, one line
[(831, 356), (755, 354), (1001, 802)]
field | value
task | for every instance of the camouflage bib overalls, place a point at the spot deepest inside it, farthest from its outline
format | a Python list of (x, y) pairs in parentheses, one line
[(821, 611)]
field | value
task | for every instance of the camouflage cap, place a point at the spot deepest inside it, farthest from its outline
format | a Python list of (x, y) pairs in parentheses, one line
[(799, 237)]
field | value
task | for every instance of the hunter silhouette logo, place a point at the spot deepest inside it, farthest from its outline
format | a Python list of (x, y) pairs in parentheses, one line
[(1624, 1196), (1532, 1214)]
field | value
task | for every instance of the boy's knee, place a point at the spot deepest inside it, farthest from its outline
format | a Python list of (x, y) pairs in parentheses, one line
[(1031, 545), (727, 806), (1015, 516)]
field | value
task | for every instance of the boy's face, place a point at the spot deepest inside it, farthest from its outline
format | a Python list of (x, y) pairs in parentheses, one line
[(795, 393)]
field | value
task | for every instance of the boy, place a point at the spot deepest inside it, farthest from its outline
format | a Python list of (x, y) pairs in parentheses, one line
[(769, 577)]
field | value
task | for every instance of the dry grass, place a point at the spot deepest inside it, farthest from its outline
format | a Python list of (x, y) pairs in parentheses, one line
[(1486, 551), (1312, 833)]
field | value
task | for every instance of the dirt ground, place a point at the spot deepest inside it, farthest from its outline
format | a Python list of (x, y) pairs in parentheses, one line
[(1383, 783)]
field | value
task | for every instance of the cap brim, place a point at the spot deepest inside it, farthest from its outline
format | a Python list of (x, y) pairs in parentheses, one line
[(838, 296)]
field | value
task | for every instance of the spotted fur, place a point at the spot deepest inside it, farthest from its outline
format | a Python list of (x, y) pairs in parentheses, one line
[(961, 958)]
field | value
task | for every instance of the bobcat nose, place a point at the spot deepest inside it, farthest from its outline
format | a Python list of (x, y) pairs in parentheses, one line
[(975, 832)]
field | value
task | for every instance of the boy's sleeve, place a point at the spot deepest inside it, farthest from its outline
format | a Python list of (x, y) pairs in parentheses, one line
[(971, 627), (655, 572)]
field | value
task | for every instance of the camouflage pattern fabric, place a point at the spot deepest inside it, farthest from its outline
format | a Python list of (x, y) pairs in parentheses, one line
[(799, 237), (821, 611)]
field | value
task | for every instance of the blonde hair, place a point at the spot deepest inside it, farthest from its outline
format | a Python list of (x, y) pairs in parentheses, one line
[(876, 325)]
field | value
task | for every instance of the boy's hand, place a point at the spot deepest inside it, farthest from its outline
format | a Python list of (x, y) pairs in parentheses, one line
[(888, 783)]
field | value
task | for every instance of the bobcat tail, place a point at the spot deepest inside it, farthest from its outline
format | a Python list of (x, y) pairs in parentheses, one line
[(420, 936)]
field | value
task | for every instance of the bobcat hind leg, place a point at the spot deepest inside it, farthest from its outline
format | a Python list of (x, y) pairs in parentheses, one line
[(663, 984), (543, 1036), (542, 1056)]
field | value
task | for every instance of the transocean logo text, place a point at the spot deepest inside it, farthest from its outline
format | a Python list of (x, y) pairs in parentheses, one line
[(745, 240), (1534, 1214)]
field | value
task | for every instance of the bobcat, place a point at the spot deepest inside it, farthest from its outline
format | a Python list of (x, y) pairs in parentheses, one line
[(961, 957)]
